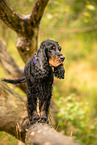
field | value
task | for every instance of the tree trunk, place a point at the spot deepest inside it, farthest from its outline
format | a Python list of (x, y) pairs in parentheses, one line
[(10, 66), (26, 27)]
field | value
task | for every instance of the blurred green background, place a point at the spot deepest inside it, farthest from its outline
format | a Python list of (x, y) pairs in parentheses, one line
[(73, 24)]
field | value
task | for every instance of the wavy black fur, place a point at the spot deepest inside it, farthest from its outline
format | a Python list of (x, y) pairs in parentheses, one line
[(15, 81), (39, 79)]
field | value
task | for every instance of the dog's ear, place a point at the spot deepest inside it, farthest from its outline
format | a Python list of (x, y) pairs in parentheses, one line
[(41, 58), (59, 72), (43, 45), (44, 50)]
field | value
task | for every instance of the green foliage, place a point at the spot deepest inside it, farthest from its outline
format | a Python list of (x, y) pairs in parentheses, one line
[(69, 15), (74, 117), (10, 140)]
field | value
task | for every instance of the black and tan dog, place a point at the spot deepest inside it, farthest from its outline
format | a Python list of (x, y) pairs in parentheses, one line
[(39, 71)]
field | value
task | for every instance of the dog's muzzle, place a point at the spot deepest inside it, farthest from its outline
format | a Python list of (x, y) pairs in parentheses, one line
[(56, 61)]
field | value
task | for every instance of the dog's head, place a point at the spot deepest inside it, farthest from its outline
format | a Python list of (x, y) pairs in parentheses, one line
[(55, 57)]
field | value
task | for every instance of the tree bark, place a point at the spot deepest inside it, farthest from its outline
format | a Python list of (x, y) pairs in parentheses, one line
[(12, 112), (44, 134), (26, 27), (8, 63), (14, 120), (10, 66)]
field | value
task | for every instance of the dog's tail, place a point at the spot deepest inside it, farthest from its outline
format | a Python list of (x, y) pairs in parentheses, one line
[(16, 81)]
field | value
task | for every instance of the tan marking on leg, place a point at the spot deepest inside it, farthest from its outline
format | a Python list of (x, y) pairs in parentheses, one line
[(38, 112)]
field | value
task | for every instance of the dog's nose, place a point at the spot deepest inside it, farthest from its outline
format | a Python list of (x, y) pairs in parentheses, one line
[(62, 58)]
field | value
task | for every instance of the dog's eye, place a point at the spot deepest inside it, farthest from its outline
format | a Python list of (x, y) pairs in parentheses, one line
[(54, 47), (59, 48)]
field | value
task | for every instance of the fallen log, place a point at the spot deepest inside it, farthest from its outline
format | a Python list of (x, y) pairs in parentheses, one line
[(14, 120)]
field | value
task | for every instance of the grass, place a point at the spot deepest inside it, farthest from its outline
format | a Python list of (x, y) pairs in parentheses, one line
[(6, 139)]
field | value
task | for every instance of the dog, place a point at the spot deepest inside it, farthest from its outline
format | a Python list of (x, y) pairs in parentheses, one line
[(39, 74)]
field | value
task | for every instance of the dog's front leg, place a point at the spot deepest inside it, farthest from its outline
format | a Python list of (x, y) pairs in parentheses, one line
[(44, 108), (32, 105)]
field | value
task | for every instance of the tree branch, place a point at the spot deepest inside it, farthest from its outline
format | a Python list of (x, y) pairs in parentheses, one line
[(10, 66), (26, 27), (90, 28), (12, 112), (10, 16), (37, 11)]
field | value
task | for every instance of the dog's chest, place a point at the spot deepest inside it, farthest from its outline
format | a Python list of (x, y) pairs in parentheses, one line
[(43, 88)]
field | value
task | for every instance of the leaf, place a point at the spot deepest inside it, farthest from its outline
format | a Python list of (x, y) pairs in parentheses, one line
[(90, 7)]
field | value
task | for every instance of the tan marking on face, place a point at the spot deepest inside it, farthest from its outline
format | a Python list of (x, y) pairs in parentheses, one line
[(55, 61), (54, 47), (59, 48)]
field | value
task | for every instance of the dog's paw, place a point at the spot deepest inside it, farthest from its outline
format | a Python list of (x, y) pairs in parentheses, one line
[(34, 119), (43, 119)]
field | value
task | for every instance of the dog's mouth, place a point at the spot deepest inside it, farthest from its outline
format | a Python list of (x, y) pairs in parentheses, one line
[(56, 61)]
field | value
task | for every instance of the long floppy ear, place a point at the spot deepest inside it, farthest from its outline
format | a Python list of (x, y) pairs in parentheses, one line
[(42, 62), (43, 47), (59, 72), (42, 52)]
